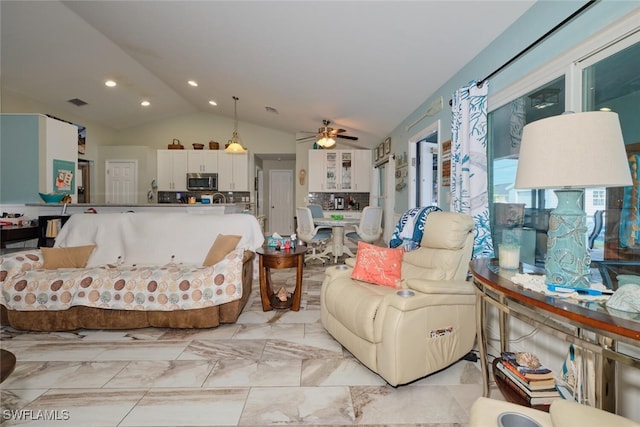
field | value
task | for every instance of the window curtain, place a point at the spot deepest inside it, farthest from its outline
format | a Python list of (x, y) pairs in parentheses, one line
[(469, 181)]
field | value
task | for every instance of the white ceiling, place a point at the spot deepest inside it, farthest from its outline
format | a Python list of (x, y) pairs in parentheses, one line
[(365, 66)]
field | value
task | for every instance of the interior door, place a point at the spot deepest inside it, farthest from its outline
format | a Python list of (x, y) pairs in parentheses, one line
[(281, 202), (121, 181)]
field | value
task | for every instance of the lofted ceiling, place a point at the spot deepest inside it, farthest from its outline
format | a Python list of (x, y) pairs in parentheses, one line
[(364, 65)]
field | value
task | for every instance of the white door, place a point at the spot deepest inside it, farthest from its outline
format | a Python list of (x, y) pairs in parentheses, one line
[(121, 181), (280, 202)]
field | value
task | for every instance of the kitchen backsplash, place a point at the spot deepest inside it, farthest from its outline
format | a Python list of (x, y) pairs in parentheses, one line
[(182, 196), (359, 200)]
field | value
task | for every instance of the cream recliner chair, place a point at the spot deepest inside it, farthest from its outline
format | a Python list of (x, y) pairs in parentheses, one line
[(403, 338), (562, 413)]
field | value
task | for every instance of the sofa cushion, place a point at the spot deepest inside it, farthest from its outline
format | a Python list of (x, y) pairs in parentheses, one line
[(378, 265), (220, 248), (71, 257)]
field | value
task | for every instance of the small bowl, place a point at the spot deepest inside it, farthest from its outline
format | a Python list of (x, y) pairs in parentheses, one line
[(198, 146), (52, 197)]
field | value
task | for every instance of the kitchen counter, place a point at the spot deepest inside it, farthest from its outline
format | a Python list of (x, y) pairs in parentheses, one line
[(72, 208)]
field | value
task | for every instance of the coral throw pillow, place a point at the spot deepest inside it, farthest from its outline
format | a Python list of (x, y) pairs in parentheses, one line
[(71, 257), (221, 248), (378, 265)]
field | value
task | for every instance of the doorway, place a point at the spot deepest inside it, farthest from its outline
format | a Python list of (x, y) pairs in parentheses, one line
[(281, 202), (423, 167), (121, 181), (84, 181)]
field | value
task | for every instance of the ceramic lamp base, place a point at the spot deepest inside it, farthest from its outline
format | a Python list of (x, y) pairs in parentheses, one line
[(568, 261)]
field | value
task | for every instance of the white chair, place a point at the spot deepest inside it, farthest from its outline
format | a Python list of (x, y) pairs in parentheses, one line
[(311, 235), (370, 228), (316, 212)]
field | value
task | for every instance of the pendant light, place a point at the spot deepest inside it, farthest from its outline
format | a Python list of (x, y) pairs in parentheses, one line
[(234, 147)]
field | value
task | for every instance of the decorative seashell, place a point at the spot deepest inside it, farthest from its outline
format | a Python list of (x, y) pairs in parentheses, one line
[(529, 360)]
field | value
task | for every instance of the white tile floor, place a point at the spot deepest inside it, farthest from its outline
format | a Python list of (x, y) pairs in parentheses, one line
[(270, 368)]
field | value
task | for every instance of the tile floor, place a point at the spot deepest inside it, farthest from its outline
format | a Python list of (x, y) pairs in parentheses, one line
[(270, 368)]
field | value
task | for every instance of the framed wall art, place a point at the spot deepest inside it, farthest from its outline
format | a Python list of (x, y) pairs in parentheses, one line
[(387, 146)]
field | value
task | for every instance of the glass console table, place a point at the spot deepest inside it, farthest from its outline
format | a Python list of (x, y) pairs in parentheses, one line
[(587, 324)]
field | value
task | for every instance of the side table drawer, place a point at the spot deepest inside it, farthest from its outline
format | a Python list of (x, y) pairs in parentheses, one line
[(279, 262)]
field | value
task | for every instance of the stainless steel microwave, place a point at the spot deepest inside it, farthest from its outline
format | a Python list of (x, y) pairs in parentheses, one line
[(202, 181)]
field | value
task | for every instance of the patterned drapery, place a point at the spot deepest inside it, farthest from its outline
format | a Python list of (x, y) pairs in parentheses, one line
[(469, 182)]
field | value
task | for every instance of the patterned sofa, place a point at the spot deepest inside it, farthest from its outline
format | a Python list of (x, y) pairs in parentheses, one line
[(146, 270)]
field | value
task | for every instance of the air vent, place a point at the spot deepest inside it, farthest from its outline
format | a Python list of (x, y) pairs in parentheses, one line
[(271, 110), (77, 102)]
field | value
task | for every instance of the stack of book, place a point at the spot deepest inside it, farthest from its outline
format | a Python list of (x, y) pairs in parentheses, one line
[(537, 386)]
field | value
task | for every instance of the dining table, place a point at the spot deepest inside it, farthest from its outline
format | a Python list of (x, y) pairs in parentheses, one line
[(336, 247)]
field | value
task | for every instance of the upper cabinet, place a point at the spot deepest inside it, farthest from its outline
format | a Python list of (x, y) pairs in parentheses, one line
[(233, 172), (340, 170), (202, 161), (172, 170)]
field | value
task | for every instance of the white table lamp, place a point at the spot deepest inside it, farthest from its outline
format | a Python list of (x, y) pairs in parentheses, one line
[(568, 153)]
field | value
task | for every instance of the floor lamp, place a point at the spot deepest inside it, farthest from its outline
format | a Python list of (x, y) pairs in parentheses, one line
[(569, 153)]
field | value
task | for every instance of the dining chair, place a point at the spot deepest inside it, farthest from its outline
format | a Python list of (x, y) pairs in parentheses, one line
[(370, 228), (316, 212), (311, 235)]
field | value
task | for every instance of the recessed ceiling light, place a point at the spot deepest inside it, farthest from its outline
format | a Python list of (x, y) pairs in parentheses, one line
[(212, 102), (605, 109), (145, 103), (110, 83), (193, 83)]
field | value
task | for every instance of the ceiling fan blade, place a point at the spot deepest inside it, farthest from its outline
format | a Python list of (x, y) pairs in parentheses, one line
[(348, 144), (306, 138), (339, 130), (352, 138)]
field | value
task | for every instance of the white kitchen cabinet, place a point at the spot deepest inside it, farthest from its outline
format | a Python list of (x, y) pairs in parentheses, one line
[(362, 171), (233, 172), (202, 161), (316, 174), (339, 170), (172, 170)]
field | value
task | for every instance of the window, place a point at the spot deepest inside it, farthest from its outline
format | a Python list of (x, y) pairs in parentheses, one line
[(605, 79), (505, 133), (610, 81)]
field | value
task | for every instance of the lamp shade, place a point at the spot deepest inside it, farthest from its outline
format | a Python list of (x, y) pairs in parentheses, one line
[(573, 150)]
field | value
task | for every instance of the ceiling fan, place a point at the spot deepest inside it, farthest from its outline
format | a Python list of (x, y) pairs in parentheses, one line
[(326, 136)]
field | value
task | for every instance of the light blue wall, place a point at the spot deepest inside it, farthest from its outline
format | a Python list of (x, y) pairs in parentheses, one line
[(19, 145), (539, 19)]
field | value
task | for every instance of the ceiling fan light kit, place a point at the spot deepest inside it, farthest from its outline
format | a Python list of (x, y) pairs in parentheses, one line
[(234, 146), (326, 136), (325, 142)]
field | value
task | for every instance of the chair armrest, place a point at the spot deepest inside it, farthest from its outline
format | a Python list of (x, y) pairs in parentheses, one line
[(333, 273), (565, 413), (450, 287), (16, 262)]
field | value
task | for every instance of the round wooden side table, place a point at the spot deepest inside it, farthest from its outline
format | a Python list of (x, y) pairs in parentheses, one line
[(283, 258)]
